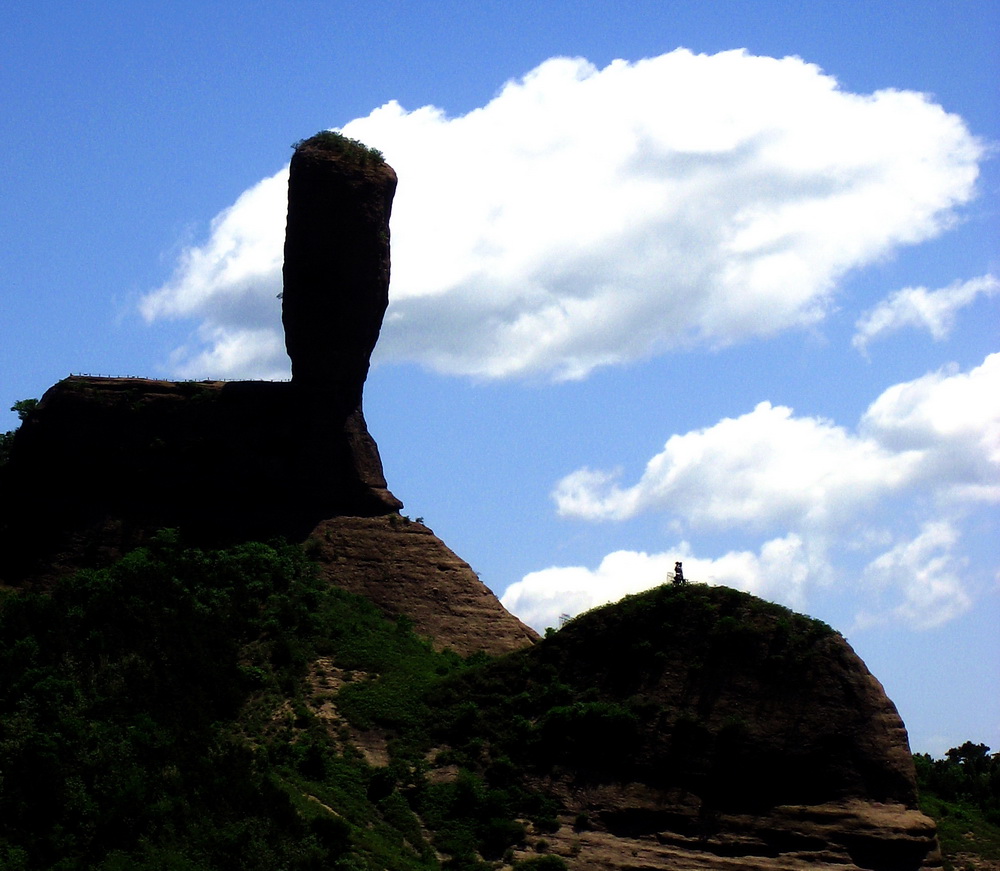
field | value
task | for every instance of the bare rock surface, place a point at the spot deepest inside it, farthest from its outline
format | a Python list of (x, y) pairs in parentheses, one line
[(336, 266), (404, 568), (844, 836)]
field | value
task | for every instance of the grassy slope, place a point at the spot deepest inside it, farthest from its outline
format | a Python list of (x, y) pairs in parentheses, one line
[(968, 840), (961, 792)]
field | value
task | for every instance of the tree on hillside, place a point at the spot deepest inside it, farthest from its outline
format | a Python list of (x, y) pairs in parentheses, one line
[(24, 407), (968, 773)]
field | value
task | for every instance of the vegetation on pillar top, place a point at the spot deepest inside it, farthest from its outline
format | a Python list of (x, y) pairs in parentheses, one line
[(343, 146)]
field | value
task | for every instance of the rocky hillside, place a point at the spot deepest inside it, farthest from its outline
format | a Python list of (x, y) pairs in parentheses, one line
[(697, 727), (379, 706)]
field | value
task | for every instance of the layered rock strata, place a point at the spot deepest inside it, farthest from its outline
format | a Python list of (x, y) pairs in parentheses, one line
[(835, 836), (404, 568)]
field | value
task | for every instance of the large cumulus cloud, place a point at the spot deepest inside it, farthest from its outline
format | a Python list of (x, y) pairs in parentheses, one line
[(586, 217)]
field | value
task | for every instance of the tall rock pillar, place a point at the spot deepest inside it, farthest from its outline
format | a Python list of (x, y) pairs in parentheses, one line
[(336, 271), (336, 289)]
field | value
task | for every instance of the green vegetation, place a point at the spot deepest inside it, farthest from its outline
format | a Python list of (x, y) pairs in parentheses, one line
[(23, 407), (200, 709), (172, 711), (6, 440), (349, 149), (581, 700), (159, 714), (961, 793)]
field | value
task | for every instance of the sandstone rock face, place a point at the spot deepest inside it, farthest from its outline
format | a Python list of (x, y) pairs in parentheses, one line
[(839, 836), (336, 269), (404, 568)]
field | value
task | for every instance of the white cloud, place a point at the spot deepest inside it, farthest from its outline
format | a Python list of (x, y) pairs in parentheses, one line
[(953, 420), (761, 470), (243, 253), (927, 574), (589, 217), (232, 283), (770, 468), (541, 597), (235, 353), (931, 445), (780, 569), (934, 310)]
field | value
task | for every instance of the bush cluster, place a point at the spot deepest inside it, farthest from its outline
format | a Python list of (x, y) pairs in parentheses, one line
[(349, 149), (23, 407), (962, 793)]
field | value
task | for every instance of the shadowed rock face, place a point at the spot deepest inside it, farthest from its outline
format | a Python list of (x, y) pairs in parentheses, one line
[(336, 270), (111, 459), (108, 460), (102, 463)]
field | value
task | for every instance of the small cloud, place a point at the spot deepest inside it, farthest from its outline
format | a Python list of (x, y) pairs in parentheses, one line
[(760, 470), (926, 573), (953, 420), (918, 307), (245, 353)]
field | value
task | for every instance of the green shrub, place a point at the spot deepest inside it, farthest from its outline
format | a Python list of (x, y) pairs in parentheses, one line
[(336, 143), (961, 792)]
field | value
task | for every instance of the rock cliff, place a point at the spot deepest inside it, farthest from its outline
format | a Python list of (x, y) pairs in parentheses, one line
[(221, 460), (690, 727), (102, 463)]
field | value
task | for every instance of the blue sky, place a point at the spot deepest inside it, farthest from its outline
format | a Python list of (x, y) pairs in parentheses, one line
[(705, 281)]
